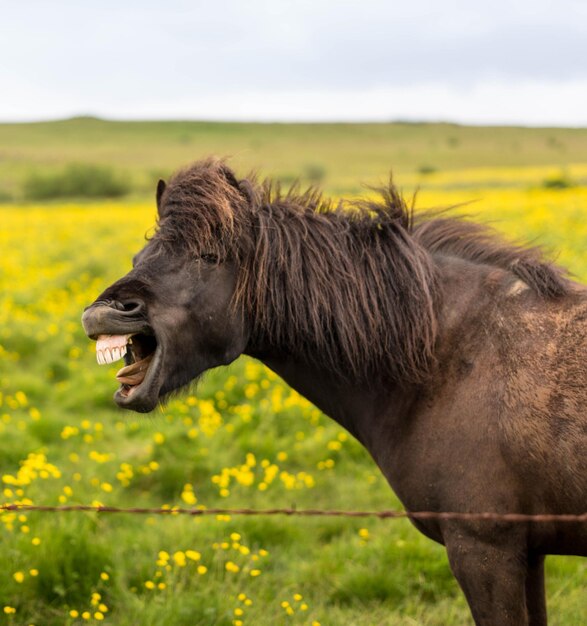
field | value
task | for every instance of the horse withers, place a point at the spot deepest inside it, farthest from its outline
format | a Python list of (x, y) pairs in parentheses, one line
[(458, 360)]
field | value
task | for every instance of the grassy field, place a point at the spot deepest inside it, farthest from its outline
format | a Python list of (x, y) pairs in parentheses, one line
[(338, 156), (242, 438)]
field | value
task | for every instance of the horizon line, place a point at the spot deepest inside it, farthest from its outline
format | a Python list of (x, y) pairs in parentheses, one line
[(291, 122)]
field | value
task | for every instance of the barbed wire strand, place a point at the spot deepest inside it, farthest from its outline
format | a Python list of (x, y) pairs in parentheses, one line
[(418, 515)]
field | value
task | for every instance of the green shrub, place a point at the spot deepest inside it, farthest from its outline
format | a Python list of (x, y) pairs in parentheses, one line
[(314, 172), (5, 196), (76, 181), (558, 181)]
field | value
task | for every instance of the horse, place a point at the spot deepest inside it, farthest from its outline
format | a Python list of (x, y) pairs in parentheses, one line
[(456, 358)]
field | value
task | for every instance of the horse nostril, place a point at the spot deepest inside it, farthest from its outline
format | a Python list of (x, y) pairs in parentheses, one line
[(132, 307)]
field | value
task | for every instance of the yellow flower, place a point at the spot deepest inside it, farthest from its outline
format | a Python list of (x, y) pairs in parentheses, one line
[(35, 414), (18, 576), (73, 613), (104, 576), (188, 497), (202, 569), (9, 610)]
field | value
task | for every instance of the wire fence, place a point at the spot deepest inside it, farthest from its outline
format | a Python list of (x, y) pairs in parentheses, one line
[(200, 512)]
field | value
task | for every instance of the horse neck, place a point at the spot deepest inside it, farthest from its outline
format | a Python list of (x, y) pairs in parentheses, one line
[(376, 414), (354, 405)]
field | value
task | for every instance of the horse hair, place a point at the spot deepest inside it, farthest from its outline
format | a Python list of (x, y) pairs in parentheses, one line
[(354, 282)]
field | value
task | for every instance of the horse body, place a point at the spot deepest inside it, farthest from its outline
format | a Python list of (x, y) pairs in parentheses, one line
[(456, 360), (499, 427)]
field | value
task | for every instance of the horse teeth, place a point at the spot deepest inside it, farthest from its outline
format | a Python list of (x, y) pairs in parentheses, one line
[(110, 348)]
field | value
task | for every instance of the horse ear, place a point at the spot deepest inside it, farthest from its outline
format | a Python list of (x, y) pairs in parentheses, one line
[(244, 187), (230, 177), (161, 186)]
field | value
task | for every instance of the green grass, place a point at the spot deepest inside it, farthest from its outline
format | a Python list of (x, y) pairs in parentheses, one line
[(339, 156)]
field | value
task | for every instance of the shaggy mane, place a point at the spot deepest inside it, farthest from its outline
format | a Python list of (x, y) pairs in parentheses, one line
[(482, 244), (352, 285)]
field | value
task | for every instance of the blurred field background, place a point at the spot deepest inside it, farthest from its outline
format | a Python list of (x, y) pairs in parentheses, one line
[(76, 199)]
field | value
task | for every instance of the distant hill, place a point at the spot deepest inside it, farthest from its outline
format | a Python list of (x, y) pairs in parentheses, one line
[(337, 156)]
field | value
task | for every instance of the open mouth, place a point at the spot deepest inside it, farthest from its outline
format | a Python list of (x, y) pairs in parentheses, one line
[(138, 351)]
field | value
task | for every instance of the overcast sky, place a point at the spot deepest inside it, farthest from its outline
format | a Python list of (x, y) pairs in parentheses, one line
[(497, 61)]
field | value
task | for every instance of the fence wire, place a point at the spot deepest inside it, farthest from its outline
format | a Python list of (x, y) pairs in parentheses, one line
[(291, 512)]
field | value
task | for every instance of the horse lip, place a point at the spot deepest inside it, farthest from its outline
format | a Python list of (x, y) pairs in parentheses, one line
[(146, 395)]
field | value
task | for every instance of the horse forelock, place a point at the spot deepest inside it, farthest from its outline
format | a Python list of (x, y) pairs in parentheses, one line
[(203, 209)]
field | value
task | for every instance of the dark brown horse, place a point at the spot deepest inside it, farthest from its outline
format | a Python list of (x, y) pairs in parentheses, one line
[(458, 360)]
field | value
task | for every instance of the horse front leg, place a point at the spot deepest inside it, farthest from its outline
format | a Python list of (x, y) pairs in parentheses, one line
[(535, 592), (493, 578)]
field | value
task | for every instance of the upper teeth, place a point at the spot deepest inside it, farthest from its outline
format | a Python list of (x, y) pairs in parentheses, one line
[(110, 348)]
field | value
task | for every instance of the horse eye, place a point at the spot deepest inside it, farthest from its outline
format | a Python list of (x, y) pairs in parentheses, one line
[(209, 258)]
